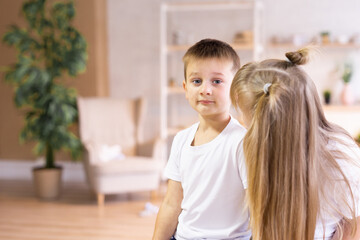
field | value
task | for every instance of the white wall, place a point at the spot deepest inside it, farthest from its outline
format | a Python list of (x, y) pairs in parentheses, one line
[(134, 54), (284, 17), (134, 43)]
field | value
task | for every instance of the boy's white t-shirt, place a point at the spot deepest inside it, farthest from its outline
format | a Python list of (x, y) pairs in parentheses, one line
[(327, 224), (213, 178)]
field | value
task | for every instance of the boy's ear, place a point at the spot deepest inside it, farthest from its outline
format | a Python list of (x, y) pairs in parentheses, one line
[(184, 85), (185, 88)]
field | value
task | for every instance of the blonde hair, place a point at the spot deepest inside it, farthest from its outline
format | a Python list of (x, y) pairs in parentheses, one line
[(211, 48), (290, 167)]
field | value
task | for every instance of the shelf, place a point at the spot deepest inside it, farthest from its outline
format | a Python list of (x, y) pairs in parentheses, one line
[(329, 45), (178, 48), (209, 6)]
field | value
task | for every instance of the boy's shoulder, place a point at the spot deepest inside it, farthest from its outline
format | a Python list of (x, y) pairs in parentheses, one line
[(236, 125), (235, 129)]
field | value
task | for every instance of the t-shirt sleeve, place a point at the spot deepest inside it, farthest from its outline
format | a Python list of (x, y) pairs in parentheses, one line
[(172, 170), (242, 164)]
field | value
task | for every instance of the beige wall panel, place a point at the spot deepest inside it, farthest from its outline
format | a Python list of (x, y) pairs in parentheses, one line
[(90, 20)]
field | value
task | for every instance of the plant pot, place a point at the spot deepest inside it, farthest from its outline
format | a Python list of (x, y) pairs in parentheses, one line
[(327, 98), (346, 96), (47, 182)]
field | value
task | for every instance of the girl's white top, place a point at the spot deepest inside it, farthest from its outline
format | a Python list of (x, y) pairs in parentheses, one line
[(328, 219)]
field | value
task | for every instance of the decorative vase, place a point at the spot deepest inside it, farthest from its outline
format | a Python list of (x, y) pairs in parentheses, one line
[(346, 96), (327, 97), (327, 100), (47, 182)]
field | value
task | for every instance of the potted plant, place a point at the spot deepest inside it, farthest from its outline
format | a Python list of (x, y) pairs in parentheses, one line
[(325, 37), (48, 49), (347, 73), (327, 96), (346, 94)]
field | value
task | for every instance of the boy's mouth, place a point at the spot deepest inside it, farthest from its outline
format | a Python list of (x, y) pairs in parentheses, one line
[(206, 101)]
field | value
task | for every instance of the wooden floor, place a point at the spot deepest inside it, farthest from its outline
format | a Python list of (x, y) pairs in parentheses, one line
[(75, 216)]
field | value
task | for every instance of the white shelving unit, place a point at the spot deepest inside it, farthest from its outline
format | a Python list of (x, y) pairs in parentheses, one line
[(167, 49)]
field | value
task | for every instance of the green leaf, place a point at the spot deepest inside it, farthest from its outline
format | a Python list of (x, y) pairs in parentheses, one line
[(30, 115), (33, 11), (21, 39), (39, 148), (20, 96), (69, 112), (20, 73), (13, 36), (62, 14)]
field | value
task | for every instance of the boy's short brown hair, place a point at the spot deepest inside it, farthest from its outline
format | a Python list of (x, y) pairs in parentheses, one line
[(211, 48)]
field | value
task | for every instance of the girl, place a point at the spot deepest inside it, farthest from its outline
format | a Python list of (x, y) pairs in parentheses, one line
[(303, 172)]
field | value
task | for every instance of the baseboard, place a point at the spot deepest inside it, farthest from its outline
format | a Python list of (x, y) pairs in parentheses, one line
[(22, 170)]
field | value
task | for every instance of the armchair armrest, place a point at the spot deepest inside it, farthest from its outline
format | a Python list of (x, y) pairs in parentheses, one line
[(145, 149), (89, 153)]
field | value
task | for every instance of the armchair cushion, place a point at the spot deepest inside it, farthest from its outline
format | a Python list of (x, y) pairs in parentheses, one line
[(128, 165), (108, 153)]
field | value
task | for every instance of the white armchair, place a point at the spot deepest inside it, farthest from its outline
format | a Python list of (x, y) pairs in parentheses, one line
[(114, 122)]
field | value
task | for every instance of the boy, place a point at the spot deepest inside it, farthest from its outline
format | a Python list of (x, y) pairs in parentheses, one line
[(205, 198)]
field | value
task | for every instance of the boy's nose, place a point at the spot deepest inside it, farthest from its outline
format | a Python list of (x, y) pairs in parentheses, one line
[(206, 89)]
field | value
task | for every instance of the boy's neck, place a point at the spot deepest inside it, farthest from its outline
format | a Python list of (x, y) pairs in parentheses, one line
[(210, 128), (214, 122)]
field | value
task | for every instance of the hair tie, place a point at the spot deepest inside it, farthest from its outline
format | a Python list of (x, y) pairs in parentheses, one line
[(266, 88)]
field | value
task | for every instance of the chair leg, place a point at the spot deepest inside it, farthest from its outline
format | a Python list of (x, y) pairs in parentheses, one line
[(100, 199)]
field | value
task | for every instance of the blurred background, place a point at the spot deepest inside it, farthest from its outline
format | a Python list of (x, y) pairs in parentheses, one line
[(135, 49), (124, 43)]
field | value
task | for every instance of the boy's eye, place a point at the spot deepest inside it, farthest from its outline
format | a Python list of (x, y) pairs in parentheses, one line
[(196, 81), (217, 81)]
